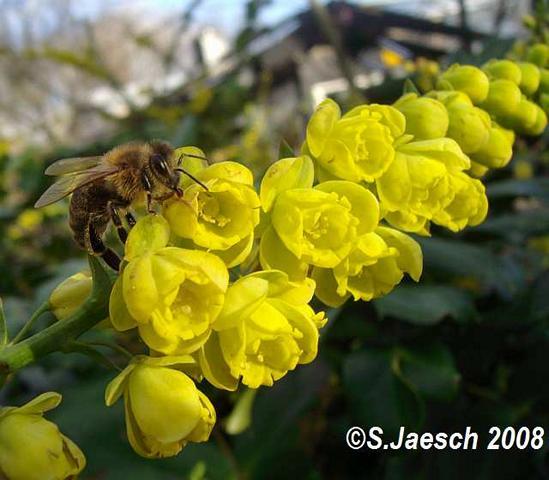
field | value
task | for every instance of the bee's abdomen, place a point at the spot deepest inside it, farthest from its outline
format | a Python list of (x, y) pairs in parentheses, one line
[(89, 204)]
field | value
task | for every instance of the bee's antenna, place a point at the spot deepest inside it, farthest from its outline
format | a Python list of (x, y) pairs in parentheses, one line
[(191, 156), (192, 177)]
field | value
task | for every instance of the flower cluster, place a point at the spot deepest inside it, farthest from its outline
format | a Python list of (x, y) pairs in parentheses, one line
[(219, 285), (419, 174), (331, 233), (174, 289)]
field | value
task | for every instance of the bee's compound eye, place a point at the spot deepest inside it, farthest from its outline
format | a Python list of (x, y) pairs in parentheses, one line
[(159, 164)]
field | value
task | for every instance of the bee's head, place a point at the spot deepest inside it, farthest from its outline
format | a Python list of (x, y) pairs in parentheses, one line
[(161, 164)]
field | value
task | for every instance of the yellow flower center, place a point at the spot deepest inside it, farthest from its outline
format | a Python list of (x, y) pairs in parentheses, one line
[(209, 210), (319, 227)]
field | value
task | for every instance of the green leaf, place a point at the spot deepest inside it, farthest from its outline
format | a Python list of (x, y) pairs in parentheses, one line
[(539, 300), (91, 352), (279, 418), (103, 278), (427, 304), (536, 187), (410, 87), (3, 326), (241, 416), (461, 259), (431, 370), (517, 225), (285, 150), (378, 393)]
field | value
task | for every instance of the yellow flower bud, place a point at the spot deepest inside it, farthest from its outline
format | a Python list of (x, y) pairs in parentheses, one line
[(544, 102), (426, 118), (467, 79), (503, 70), (538, 126), (164, 409), (524, 118), (544, 80), (266, 329), (450, 98), (469, 127), (522, 169), (70, 294), (477, 170), (503, 99), (498, 150), (33, 448), (529, 22), (538, 54), (530, 78)]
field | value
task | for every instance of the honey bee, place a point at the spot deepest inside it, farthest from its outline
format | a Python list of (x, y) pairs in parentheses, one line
[(105, 186)]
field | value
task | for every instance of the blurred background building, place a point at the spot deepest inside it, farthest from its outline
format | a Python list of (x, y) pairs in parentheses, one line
[(71, 69)]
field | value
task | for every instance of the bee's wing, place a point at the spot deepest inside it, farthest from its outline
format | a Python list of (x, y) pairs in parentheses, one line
[(69, 183), (72, 165)]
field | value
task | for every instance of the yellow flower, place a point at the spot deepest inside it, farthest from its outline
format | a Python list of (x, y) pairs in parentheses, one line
[(469, 205), (33, 448), (374, 267), (417, 185), (467, 79), (266, 328), (504, 70), (498, 150), (319, 225), (221, 219), (357, 146), (164, 409), (171, 294), (426, 118), (67, 297)]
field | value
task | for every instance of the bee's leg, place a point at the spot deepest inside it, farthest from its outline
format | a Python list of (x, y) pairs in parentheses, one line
[(147, 186), (130, 219), (115, 217), (98, 248)]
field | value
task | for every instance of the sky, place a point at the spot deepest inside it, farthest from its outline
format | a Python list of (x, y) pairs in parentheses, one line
[(224, 14), (227, 15)]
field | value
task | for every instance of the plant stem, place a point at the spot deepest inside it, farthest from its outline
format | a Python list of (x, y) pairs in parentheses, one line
[(31, 321), (51, 339)]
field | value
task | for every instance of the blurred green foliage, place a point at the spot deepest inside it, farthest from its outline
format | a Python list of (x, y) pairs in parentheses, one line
[(468, 346)]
